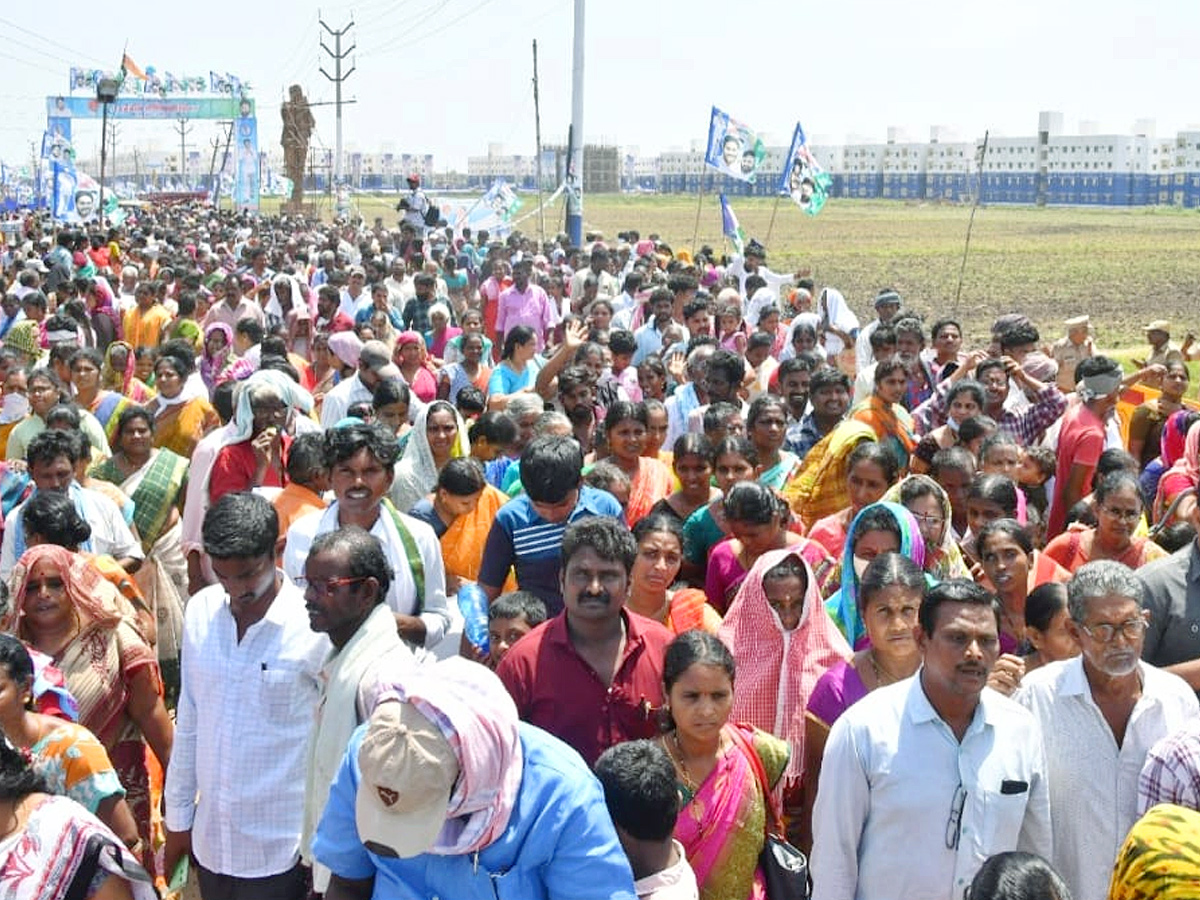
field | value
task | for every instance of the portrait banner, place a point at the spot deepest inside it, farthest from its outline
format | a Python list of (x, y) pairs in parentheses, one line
[(803, 178), (734, 147), (246, 178)]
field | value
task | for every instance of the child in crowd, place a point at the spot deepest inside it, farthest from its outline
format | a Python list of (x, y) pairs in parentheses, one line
[(639, 787), (510, 617)]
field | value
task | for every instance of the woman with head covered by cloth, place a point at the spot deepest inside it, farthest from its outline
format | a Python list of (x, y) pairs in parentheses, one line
[(444, 792), (783, 641)]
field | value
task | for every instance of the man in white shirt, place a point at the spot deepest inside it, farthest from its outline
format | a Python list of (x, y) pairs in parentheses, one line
[(607, 285), (374, 365), (354, 295), (925, 779), (52, 457), (887, 304), (251, 666), (360, 460), (399, 284), (1100, 714), (753, 263)]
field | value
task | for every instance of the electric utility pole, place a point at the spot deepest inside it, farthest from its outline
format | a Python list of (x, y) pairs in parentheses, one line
[(183, 129), (338, 54)]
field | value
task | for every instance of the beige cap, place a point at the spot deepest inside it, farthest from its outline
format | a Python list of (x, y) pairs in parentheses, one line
[(408, 771), (1158, 325), (1078, 321)]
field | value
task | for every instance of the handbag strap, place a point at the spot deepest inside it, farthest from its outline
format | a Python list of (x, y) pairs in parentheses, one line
[(773, 818), (85, 874)]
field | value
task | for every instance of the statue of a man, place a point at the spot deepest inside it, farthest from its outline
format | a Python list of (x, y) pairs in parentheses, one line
[(298, 125)]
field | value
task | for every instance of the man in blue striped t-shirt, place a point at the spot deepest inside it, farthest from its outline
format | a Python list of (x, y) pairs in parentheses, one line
[(527, 533)]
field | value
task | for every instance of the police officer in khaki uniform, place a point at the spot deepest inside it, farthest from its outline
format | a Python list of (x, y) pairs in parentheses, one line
[(1071, 350)]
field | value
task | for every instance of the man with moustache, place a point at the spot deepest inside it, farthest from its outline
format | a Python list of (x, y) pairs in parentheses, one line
[(937, 766), (828, 392), (592, 675), (360, 459), (345, 583), (1100, 714)]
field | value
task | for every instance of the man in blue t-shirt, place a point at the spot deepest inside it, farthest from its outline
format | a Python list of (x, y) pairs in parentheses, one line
[(443, 792), (527, 533)]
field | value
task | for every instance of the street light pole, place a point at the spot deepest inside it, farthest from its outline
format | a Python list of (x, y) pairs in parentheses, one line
[(107, 89)]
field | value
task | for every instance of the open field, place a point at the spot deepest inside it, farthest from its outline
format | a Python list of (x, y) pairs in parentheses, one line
[(1124, 267)]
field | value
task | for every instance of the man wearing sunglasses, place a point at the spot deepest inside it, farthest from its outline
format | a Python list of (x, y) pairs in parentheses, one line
[(1100, 713), (345, 583), (924, 779)]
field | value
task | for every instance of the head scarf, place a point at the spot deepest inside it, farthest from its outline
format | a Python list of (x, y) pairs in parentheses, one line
[(274, 306), (788, 351), (23, 337), (110, 378), (1160, 859), (843, 606), (945, 560), (770, 660), (479, 720), (243, 416), (416, 473), (212, 365), (1174, 435), (346, 346), (832, 306), (96, 601)]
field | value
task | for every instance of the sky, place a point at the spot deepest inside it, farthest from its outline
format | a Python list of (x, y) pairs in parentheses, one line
[(448, 77)]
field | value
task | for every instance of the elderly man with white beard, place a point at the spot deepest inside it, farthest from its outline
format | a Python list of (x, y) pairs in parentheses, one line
[(1100, 713)]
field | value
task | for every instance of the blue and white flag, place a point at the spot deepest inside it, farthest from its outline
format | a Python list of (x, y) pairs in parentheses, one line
[(734, 147), (803, 178), (502, 200), (730, 227)]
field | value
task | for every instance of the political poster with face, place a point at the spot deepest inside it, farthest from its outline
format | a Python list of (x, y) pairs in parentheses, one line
[(246, 185), (734, 147), (803, 178)]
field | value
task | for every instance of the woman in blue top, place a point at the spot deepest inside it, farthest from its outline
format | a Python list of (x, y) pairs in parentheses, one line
[(517, 370)]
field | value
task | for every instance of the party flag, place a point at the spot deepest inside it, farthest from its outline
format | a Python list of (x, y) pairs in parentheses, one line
[(130, 67), (734, 147), (730, 226), (803, 178)]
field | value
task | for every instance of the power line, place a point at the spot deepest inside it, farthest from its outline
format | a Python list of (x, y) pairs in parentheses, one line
[(52, 43)]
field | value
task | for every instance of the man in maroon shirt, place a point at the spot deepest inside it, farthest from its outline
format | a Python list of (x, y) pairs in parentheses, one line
[(592, 675)]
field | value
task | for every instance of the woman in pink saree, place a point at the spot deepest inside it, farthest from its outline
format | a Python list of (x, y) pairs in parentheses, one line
[(722, 821)]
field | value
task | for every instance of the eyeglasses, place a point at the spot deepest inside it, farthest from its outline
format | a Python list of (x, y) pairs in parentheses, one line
[(1129, 515), (954, 823), (929, 521), (1104, 633), (326, 586)]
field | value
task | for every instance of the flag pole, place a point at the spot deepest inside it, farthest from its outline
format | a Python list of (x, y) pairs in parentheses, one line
[(771, 226), (962, 271), (699, 205)]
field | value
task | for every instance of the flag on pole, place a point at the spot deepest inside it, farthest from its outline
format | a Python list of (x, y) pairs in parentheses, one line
[(734, 147), (803, 178), (128, 66), (730, 226)]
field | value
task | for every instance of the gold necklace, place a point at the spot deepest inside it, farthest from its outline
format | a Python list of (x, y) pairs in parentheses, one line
[(680, 766), (880, 670)]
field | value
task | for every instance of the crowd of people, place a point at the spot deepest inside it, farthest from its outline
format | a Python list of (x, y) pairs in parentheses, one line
[(349, 561)]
